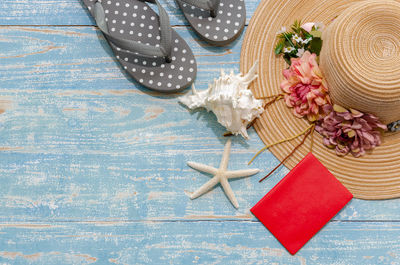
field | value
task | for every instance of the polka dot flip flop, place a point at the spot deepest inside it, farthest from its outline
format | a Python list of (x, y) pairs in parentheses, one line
[(145, 44), (218, 22)]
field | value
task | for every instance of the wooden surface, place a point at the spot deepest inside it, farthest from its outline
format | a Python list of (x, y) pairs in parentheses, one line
[(93, 167)]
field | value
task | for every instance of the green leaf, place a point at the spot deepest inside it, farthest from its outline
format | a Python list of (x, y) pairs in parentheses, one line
[(288, 35), (304, 34), (279, 47), (315, 46), (281, 36), (307, 35), (287, 59), (316, 33), (296, 27)]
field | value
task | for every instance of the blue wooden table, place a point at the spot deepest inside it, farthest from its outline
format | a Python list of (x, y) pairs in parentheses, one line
[(93, 167)]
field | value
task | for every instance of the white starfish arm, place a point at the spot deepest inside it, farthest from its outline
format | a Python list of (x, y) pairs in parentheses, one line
[(228, 191), (206, 187), (225, 155), (203, 168), (241, 173)]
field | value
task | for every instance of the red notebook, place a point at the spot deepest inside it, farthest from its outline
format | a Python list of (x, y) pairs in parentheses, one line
[(301, 203)]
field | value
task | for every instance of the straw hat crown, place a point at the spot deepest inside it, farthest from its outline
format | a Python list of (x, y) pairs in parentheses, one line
[(360, 58)]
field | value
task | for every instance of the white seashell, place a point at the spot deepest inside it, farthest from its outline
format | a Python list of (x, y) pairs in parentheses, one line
[(230, 99)]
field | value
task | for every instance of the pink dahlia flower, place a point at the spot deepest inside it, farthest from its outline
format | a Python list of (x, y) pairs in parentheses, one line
[(348, 130), (305, 88)]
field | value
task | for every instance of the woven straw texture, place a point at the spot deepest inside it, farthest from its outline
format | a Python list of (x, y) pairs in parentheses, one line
[(360, 59), (377, 174)]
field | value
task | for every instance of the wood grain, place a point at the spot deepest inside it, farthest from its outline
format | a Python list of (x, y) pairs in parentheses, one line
[(178, 243), (93, 167), (78, 136)]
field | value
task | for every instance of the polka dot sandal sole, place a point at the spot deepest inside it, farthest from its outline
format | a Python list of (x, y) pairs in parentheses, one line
[(135, 20), (221, 30)]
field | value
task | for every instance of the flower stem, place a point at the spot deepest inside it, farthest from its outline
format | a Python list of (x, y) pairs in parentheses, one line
[(276, 98), (310, 131), (273, 96), (279, 142), (291, 43), (312, 138)]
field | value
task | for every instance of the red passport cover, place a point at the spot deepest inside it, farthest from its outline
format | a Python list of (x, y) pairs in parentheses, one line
[(301, 203)]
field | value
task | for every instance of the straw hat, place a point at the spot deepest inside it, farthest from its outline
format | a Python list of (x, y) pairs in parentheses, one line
[(360, 60)]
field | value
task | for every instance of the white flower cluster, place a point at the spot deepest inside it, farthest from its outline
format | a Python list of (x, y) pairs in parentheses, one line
[(293, 42), (298, 39), (288, 49)]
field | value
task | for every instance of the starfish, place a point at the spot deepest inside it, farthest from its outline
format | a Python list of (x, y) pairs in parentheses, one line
[(221, 175)]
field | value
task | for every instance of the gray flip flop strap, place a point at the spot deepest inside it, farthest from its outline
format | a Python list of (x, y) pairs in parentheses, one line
[(209, 5), (136, 47)]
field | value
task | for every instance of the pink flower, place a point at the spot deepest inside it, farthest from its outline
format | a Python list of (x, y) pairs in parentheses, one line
[(308, 26), (305, 88), (350, 131)]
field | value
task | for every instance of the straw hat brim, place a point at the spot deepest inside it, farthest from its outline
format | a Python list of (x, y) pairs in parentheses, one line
[(374, 176)]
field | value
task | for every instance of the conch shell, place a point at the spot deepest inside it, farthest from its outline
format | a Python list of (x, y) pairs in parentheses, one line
[(230, 99)]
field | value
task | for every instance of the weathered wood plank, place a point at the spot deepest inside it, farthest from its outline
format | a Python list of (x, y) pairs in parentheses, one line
[(92, 167), (81, 142), (78, 58), (193, 242), (73, 12)]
